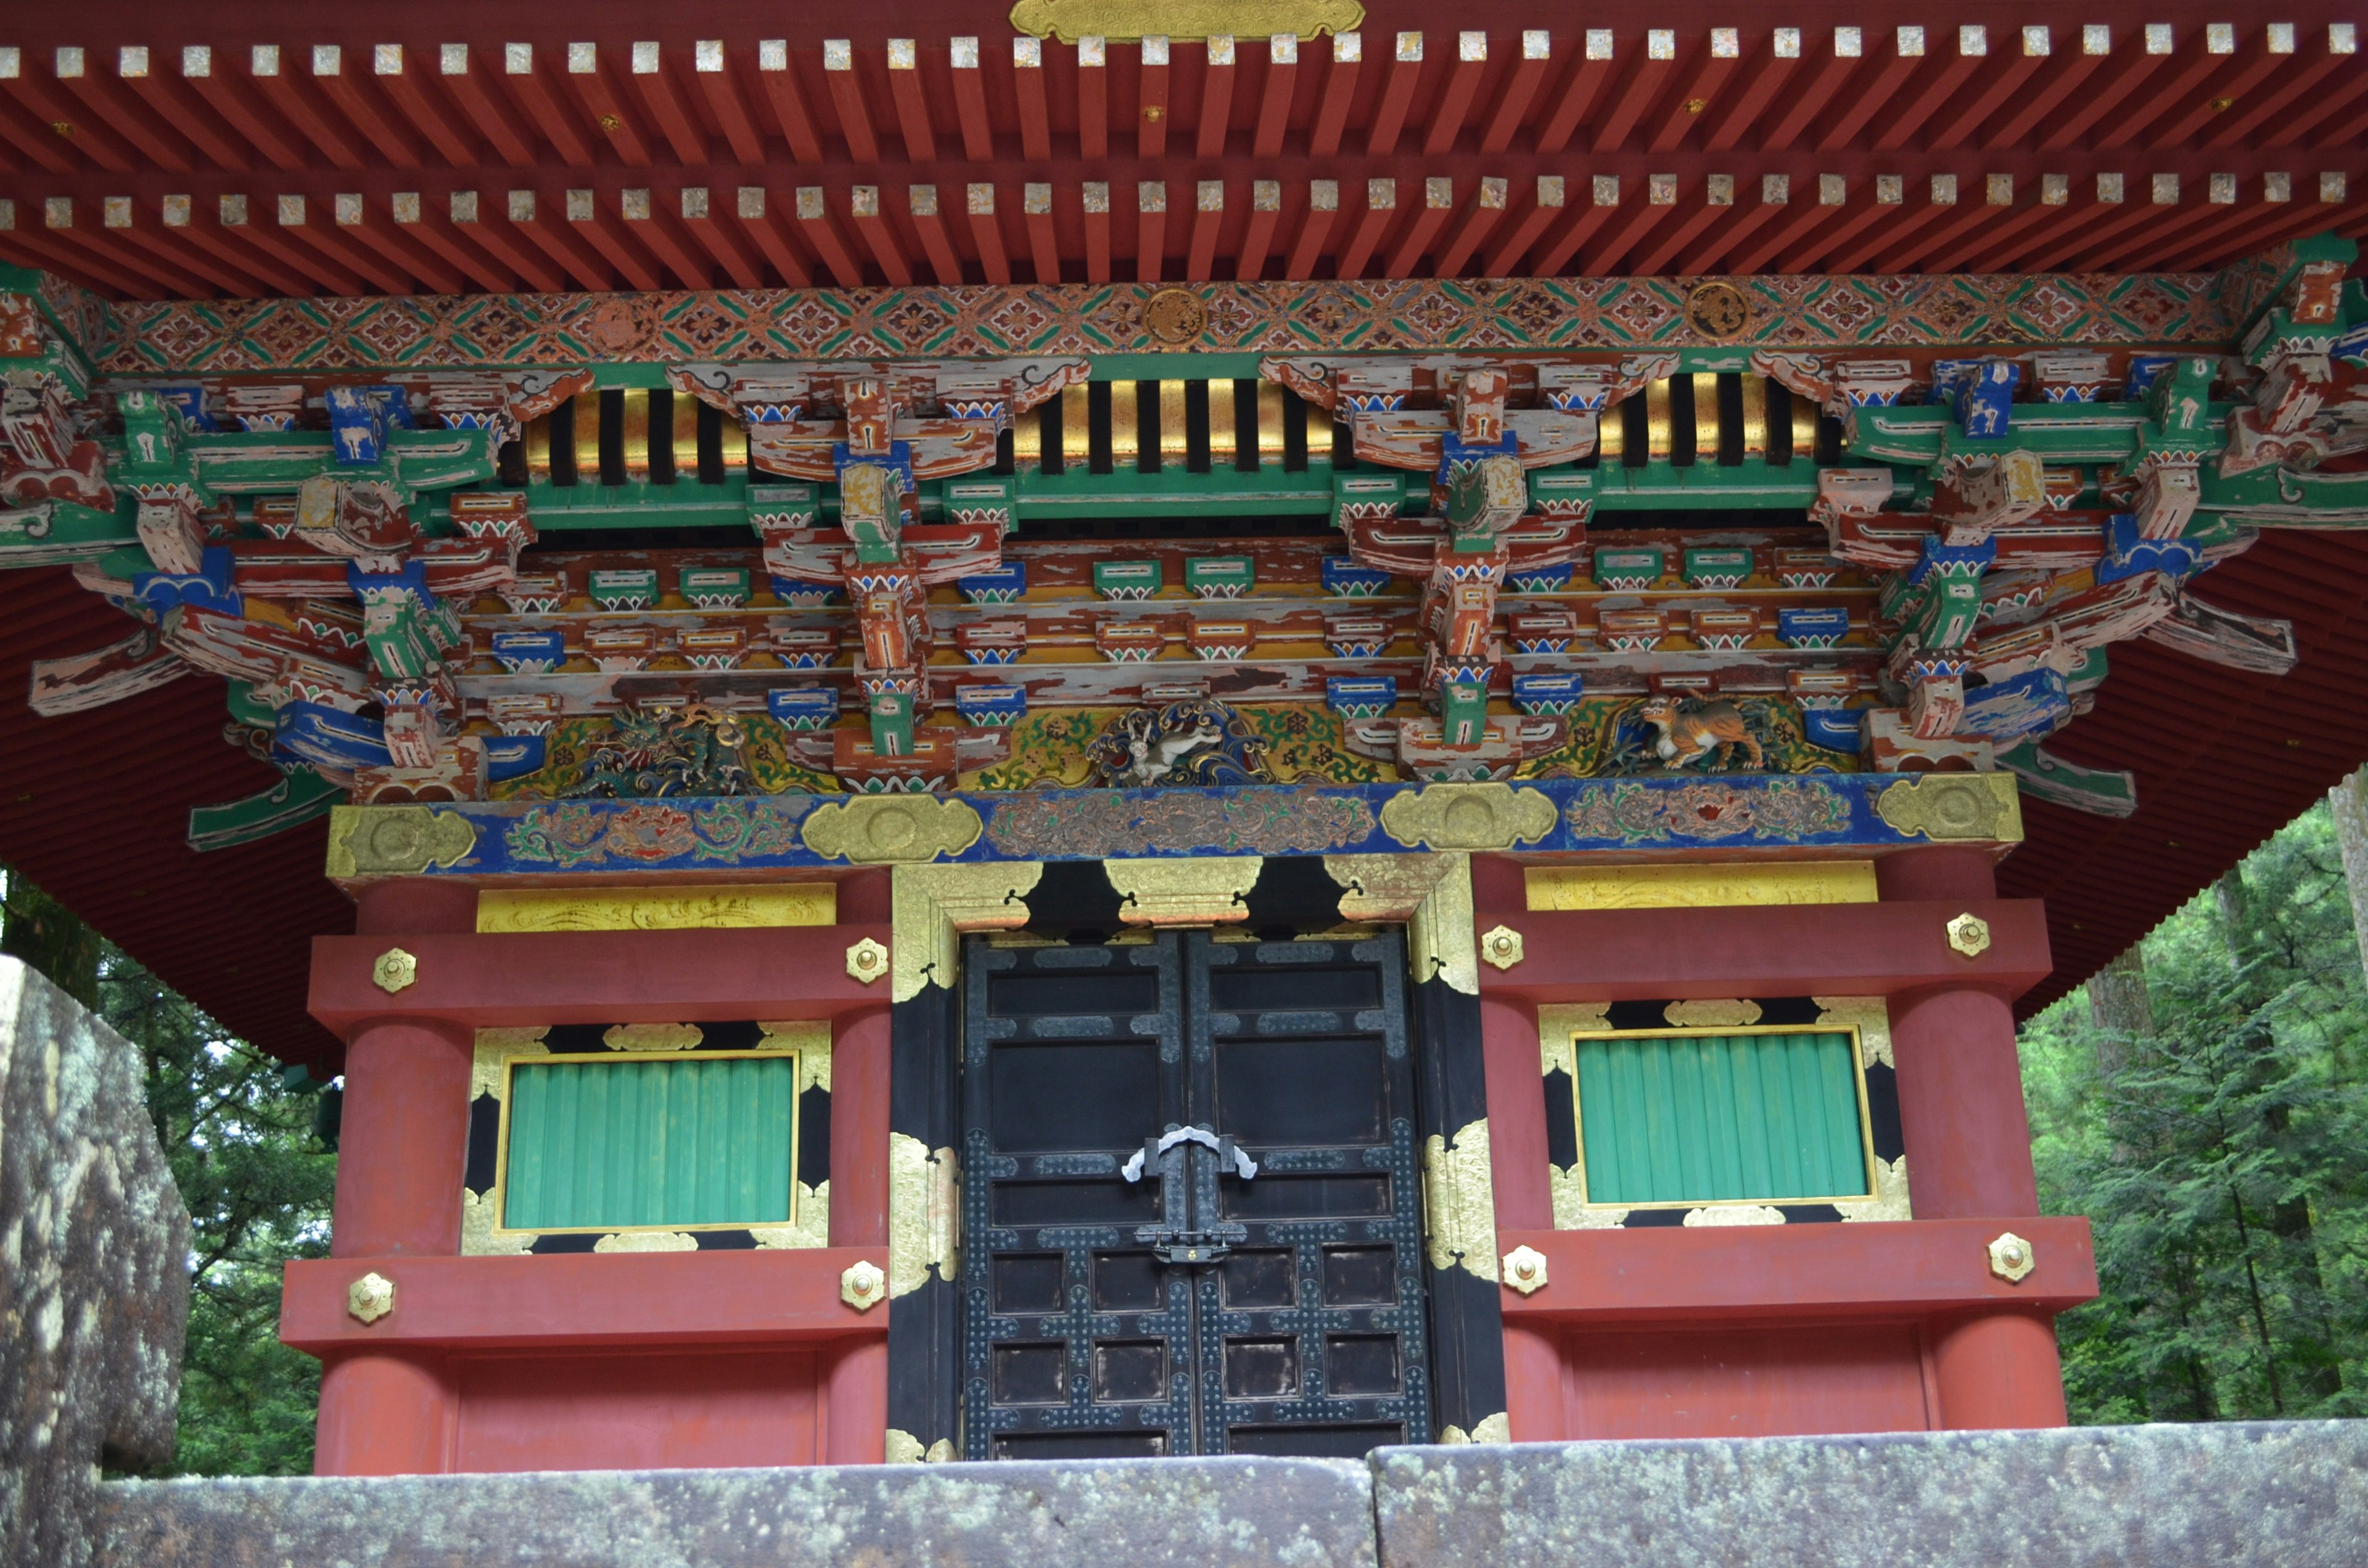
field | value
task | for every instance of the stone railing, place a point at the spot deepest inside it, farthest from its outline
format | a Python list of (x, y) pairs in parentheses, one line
[(2291, 1495), (94, 1272)]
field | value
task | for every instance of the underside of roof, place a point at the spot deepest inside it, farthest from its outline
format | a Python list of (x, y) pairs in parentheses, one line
[(160, 151)]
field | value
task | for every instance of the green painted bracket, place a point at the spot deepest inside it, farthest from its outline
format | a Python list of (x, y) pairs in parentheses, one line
[(297, 798)]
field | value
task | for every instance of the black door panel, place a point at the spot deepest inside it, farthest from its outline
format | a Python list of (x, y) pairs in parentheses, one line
[(1191, 1218)]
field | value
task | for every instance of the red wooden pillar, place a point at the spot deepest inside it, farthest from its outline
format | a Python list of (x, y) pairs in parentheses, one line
[(1962, 1116), (402, 1146)]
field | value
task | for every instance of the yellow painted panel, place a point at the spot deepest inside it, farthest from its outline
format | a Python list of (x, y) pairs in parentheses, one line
[(661, 909), (1683, 886)]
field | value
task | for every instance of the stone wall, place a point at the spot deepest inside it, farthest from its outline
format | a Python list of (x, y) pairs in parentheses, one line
[(94, 1281), (2289, 1495)]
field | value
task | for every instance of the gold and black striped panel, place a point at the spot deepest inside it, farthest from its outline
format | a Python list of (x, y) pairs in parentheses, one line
[(1722, 418), (629, 435)]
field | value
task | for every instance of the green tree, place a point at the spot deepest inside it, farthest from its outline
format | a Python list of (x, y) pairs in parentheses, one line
[(2209, 1128), (252, 1169)]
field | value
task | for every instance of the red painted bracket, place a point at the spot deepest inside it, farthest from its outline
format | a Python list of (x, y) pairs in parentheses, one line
[(589, 977), (1662, 1275), (606, 1300), (1826, 950)]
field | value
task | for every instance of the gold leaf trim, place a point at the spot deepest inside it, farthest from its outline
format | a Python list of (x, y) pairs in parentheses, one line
[(652, 1036), (892, 829), (1705, 1013), (396, 841), (1890, 1200), (1204, 889), (1439, 934), (1870, 1015), (1069, 20), (924, 1214), (931, 906), (1950, 808), (647, 1240), (478, 1236), (1468, 816), (903, 1447), (755, 905), (813, 1226), (1699, 887), (1385, 888), (1460, 1201)]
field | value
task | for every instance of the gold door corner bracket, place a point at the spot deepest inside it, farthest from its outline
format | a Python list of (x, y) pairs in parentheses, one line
[(924, 1214), (931, 906), (1206, 890)]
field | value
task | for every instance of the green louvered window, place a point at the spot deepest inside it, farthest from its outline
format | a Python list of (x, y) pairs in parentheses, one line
[(1763, 1117), (698, 1138)]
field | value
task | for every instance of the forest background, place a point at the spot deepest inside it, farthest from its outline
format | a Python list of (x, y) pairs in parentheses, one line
[(2204, 1100)]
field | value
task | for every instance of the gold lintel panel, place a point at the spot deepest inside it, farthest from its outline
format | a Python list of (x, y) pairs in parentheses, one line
[(1678, 886), (734, 907), (1205, 889)]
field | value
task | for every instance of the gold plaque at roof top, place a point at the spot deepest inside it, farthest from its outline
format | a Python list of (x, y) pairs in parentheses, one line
[(1069, 20)]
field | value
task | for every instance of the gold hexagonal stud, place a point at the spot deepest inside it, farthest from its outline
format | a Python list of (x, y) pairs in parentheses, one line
[(395, 969), (1970, 934), (863, 1285), (371, 1298), (1501, 946), (2011, 1258), (867, 961), (1525, 1271)]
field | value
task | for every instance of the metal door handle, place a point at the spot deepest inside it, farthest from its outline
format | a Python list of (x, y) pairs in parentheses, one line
[(1228, 1152)]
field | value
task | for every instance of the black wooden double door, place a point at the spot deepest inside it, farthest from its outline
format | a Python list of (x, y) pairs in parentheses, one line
[(1190, 1209)]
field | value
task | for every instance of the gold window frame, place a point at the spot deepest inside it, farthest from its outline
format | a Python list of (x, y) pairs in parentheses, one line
[(500, 1050), (1866, 1020)]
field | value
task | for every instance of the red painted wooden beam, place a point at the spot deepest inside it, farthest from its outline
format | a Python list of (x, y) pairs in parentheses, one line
[(823, 237), (1274, 101), (526, 214), (593, 83), (1035, 112), (718, 243), (1339, 87), (1545, 207), (296, 100), (775, 70), (1480, 220), (1093, 99), (1800, 112), (2000, 86), (1216, 99), (1834, 949), (2056, 83), (1587, 75), (1775, 68), (1397, 96), (1455, 97), (871, 225), (985, 232), (912, 100), (173, 101), (1208, 217), (766, 231), (1519, 92), (1152, 107), (1668, 1274), (492, 117), (1044, 242), (663, 101), (847, 96), (1852, 115), (390, 136), (587, 977), (1097, 197), (582, 1299), (719, 85), (421, 105), (558, 126), (1648, 75), (969, 101), (462, 240), (2167, 90), (937, 239), (1258, 234), (118, 110)]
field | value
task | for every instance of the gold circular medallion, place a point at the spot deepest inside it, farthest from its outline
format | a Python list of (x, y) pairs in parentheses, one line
[(1717, 309), (1174, 315)]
